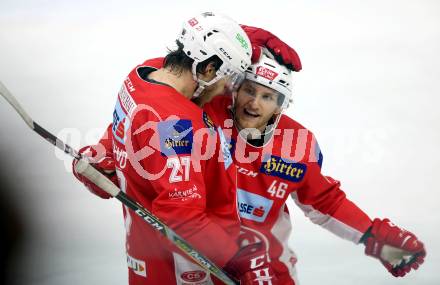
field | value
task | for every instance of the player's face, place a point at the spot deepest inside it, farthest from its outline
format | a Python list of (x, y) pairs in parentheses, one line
[(255, 105)]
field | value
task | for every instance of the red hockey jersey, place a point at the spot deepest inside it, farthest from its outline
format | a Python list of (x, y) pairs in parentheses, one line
[(171, 159), (289, 164)]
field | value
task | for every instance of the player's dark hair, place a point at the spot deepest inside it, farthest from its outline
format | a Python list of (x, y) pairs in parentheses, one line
[(178, 61)]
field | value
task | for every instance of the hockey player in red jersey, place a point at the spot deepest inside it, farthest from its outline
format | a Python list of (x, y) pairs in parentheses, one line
[(159, 138), (171, 158), (276, 157)]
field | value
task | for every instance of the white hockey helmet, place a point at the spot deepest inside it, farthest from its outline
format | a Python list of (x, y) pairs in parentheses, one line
[(268, 72), (212, 34)]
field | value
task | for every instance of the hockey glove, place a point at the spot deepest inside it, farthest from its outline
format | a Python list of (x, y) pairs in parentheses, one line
[(397, 249), (104, 163), (251, 266), (282, 52)]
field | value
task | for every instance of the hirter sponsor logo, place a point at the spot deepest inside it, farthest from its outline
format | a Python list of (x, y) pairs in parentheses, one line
[(266, 73), (283, 168), (176, 137), (252, 206), (193, 276)]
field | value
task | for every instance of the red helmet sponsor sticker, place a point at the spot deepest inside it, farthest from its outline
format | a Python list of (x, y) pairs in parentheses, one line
[(193, 22), (266, 73)]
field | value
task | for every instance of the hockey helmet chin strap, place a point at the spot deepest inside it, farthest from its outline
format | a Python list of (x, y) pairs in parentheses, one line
[(201, 84), (235, 79)]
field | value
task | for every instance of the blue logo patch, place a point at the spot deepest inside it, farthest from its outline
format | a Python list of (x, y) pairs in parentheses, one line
[(176, 137), (283, 168), (225, 148), (121, 123), (252, 206)]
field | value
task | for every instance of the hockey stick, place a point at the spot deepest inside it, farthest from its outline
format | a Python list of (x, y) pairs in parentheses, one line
[(84, 168)]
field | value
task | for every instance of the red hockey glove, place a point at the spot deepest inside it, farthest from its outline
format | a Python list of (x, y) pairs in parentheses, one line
[(251, 266), (282, 52), (397, 249), (104, 163)]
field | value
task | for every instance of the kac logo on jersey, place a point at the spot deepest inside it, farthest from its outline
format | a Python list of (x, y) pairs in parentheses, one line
[(176, 137), (252, 206), (283, 168)]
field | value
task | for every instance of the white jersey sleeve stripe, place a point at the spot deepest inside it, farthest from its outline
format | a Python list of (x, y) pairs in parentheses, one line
[(328, 222)]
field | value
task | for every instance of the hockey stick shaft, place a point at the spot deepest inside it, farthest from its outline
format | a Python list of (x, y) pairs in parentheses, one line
[(4, 92), (84, 168)]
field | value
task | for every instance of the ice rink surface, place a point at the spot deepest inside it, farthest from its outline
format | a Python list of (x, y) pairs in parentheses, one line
[(369, 90)]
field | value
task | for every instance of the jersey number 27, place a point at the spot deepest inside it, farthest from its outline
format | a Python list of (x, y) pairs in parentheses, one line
[(179, 168)]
